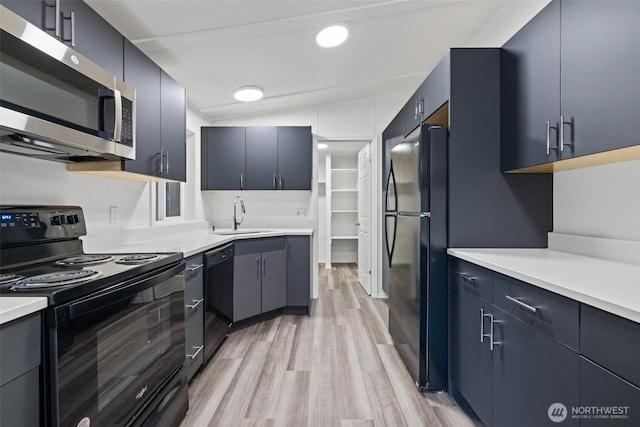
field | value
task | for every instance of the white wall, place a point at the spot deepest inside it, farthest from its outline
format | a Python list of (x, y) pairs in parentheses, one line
[(599, 201), (24, 180)]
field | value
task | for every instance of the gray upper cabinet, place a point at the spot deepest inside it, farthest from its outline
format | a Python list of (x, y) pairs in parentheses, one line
[(223, 158), (298, 271), (173, 128), (570, 83), (600, 63), (261, 145), (256, 158), (294, 157), (87, 32), (143, 74), (92, 36), (530, 92)]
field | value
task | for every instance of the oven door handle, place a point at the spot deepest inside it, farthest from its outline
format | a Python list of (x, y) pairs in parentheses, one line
[(117, 293)]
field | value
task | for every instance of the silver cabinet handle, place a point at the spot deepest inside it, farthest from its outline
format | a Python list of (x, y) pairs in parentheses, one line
[(466, 277), (195, 267), (521, 304), (195, 304), (482, 334), (73, 29), (242, 181), (258, 268), (482, 324), (281, 183), (549, 147), (492, 343), (167, 161), (194, 355), (415, 111), (57, 25), (161, 163), (420, 107), (264, 267), (274, 181), (562, 123)]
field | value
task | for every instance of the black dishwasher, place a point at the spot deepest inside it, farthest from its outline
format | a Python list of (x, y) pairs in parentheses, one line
[(218, 297)]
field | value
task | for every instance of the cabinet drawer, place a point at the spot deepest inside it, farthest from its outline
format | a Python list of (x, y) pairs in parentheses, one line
[(611, 341), (193, 279), (254, 246), (473, 278), (194, 341), (601, 388), (550, 313), (24, 352)]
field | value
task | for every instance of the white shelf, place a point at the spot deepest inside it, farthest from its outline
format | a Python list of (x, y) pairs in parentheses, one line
[(344, 170), (344, 237), (344, 190), (344, 211)]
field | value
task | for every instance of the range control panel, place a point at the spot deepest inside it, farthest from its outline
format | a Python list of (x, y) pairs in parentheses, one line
[(23, 224)]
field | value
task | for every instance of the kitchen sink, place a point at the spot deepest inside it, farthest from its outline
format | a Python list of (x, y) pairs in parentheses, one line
[(229, 232)]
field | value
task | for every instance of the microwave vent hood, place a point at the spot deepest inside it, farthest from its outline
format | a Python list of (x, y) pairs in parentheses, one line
[(55, 104)]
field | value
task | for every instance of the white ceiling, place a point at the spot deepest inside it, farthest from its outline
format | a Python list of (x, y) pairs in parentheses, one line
[(214, 46)]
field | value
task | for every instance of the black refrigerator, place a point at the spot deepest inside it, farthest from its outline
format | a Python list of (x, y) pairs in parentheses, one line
[(416, 241)]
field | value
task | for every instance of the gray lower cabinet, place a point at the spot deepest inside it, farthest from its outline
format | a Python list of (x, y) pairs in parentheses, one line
[(274, 280), (298, 271), (194, 314), (247, 285), (600, 388), (20, 372)]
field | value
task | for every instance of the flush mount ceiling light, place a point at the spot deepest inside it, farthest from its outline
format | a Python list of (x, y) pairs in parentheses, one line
[(332, 36), (248, 93), (323, 146)]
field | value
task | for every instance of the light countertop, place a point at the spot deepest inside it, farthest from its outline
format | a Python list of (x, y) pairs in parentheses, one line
[(194, 242), (611, 286), (12, 308)]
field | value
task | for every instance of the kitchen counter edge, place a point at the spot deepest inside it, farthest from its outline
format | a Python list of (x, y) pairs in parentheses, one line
[(577, 277), (12, 308)]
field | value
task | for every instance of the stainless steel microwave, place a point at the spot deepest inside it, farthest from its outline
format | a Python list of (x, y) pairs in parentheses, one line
[(55, 103)]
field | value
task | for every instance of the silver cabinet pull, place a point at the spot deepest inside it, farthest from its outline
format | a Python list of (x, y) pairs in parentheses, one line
[(521, 304), (167, 162), (161, 163), (195, 304), (242, 181), (492, 343), (258, 268), (264, 267), (73, 29), (194, 355), (57, 24), (274, 181), (415, 111), (561, 130), (482, 334), (467, 278), (281, 183), (482, 325), (195, 267)]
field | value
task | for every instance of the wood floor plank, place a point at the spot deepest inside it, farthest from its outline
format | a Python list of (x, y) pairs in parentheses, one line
[(336, 367)]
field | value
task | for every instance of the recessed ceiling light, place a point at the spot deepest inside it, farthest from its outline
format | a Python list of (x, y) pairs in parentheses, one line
[(248, 93), (323, 146), (332, 36)]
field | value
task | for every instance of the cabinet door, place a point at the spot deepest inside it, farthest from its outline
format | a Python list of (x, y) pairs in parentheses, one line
[(601, 388), (531, 371), (94, 37), (247, 275), (600, 74), (173, 128), (274, 280), (294, 157), (34, 11), (530, 91), (261, 157), (225, 167), (143, 74), (409, 112), (298, 271), (471, 363)]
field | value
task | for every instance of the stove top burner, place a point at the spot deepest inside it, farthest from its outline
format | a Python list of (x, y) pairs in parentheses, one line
[(137, 259), (84, 260), (59, 278), (7, 279)]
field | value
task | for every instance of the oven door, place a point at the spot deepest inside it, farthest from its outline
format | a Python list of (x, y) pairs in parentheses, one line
[(113, 352)]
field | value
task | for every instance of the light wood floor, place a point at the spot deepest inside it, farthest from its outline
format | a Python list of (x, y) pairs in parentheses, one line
[(337, 367)]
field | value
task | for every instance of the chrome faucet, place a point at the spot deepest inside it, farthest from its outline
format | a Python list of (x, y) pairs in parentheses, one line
[(235, 217)]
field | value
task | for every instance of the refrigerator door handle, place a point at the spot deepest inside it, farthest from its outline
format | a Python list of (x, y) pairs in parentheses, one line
[(391, 181), (391, 248), (415, 214)]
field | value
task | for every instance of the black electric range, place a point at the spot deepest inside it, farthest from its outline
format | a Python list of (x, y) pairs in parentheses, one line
[(113, 332)]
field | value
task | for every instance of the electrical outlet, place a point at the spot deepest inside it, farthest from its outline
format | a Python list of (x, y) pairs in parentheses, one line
[(299, 211), (113, 215)]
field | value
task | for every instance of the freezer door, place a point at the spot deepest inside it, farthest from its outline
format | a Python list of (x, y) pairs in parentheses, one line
[(407, 294), (407, 168)]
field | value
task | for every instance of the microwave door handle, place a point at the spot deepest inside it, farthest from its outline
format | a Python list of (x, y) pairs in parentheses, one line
[(104, 95), (117, 126)]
